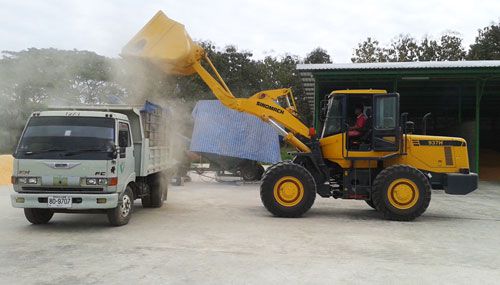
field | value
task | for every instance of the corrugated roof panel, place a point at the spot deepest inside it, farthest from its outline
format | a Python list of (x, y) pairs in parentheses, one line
[(400, 65)]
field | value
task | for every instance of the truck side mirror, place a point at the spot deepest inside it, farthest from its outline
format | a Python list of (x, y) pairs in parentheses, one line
[(114, 152), (123, 139)]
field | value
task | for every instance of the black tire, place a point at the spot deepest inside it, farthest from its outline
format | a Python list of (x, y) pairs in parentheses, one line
[(384, 195), (146, 200), (370, 203), (260, 171), (177, 181), (38, 216), (251, 171), (159, 192), (121, 215), (297, 204)]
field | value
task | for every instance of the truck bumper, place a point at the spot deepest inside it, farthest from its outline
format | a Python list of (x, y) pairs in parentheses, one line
[(79, 201), (461, 184)]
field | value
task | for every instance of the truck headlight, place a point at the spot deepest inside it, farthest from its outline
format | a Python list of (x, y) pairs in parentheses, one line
[(32, 180), (22, 180), (25, 180), (99, 181)]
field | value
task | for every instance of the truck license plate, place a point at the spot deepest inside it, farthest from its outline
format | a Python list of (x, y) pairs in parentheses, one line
[(59, 202)]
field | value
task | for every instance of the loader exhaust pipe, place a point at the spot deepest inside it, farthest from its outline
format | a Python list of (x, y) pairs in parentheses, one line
[(424, 123)]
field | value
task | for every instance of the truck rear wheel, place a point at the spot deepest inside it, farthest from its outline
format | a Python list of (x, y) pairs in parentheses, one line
[(120, 215), (252, 171), (38, 216), (287, 190), (401, 193), (159, 192)]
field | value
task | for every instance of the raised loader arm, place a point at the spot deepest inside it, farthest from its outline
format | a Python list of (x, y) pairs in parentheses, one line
[(166, 44)]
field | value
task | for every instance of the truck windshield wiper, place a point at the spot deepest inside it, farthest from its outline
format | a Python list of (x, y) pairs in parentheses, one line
[(85, 150), (29, 152)]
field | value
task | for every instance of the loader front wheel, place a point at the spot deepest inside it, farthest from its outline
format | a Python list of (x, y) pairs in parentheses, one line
[(287, 190), (401, 193)]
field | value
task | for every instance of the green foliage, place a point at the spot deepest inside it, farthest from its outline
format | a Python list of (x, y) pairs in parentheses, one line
[(451, 47), (285, 150), (36, 78), (368, 51), (318, 55), (406, 48), (487, 44)]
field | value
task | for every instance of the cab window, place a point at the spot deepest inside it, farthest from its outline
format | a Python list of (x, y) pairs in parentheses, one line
[(334, 117), (386, 113), (124, 139)]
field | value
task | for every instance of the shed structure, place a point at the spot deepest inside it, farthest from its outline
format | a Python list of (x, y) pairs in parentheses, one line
[(462, 96)]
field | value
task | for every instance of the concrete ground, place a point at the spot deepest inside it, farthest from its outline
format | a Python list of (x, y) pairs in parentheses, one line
[(216, 233)]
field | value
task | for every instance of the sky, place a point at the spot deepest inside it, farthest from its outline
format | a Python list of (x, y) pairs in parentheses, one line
[(264, 27)]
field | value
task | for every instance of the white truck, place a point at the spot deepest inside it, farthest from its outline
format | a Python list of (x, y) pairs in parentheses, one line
[(93, 159)]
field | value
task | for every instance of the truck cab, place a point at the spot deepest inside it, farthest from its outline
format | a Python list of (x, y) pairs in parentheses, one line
[(93, 159)]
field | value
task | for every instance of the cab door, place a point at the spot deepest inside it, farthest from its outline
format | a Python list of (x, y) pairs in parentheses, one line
[(125, 160), (386, 130)]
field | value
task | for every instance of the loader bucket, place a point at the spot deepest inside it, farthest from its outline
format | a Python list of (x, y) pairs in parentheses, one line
[(166, 44)]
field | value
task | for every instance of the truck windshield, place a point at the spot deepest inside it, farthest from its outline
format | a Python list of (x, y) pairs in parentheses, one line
[(67, 138), (333, 122)]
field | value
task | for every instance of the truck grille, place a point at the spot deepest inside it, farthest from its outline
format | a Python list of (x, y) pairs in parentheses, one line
[(29, 189)]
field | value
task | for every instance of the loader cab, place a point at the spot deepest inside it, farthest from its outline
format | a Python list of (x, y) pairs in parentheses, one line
[(379, 110)]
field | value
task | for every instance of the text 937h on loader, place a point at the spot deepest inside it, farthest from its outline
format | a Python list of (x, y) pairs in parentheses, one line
[(388, 166)]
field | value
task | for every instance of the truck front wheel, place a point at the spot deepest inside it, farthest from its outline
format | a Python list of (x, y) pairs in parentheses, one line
[(120, 215), (38, 216)]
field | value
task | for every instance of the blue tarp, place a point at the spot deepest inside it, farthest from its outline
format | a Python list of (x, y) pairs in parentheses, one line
[(222, 131), (152, 107)]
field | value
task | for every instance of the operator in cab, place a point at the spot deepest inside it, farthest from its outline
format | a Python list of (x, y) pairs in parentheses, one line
[(357, 129)]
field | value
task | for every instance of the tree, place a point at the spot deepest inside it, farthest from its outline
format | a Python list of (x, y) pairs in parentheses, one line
[(428, 50), (402, 48), (450, 47), (487, 44), (405, 48), (318, 55), (368, 51), (35, 78)]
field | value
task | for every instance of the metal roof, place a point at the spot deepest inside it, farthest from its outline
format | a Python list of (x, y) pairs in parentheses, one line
[(308, 71), (402, 65)]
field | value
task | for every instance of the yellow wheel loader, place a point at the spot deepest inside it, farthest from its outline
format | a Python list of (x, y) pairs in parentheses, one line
[(384, 163)]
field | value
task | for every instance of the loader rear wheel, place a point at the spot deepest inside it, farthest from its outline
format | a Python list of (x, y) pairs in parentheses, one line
[(401, 193), (370, 203), (287, 190)]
